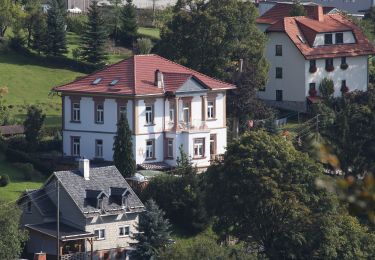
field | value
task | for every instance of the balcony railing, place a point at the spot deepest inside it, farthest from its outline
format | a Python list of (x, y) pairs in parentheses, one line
[(76, 256), (195, 125)]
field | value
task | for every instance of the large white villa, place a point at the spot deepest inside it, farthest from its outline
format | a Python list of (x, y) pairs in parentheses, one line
[(304, 50), (167, 106)]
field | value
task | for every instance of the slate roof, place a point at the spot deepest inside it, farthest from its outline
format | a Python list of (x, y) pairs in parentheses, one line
[(101, 179), (42, 202), (136, 76)]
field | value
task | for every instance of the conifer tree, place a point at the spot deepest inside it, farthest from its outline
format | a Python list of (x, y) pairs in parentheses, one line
[(297, 9), (94, 38), (56, 44), (154, 232), (129, 26), (123, 148), (33, 126)]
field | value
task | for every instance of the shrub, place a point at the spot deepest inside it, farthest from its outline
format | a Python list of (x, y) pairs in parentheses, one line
[(27, 170), (4, 180), (76, 24), (326, 88), (18, 156), (143, 46)]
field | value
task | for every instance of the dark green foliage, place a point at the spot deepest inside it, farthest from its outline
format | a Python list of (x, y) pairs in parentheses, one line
[(12, 238), (33, 126), (265, 192), (76, 24), (154, 232), (129, 26), (297, 9), (123, 148), (56, 43), (44, 167), (39, 34), (4, 180), (368, 22), (143, 46), (34, 14), (181, 198), (94, 38), (326, 89)]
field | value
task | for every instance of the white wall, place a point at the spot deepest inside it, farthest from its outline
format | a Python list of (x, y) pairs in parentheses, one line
[(293, 64), (348, 38), (355, 75)]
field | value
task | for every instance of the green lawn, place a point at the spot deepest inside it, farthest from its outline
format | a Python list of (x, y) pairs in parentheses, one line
[(150, 32), (17, 184)]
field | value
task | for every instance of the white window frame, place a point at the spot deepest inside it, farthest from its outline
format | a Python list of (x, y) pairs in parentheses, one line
[(149, 114), (199, 147), (211, 109), (76, 112), (186, 113), (99, 113), (170, 148), (99, 148), (76, 149), (124, 228), (150, 149), (101, 233)]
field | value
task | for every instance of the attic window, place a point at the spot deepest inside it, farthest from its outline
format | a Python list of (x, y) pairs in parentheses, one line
[(114, 82), (300, 38), (97, 81), (328, 38)]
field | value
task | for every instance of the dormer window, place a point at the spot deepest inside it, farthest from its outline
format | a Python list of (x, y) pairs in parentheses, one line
[(339, 38), (114, 82), (328, 39), (97, 81)]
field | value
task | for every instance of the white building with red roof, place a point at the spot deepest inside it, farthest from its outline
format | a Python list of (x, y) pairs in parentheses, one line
[(304, 50), (167, 106)]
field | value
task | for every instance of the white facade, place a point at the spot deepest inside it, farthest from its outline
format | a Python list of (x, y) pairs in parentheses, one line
[(294, 83), (165, 136)]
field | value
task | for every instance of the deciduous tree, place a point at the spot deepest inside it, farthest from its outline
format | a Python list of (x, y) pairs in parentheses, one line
[(297, 9)]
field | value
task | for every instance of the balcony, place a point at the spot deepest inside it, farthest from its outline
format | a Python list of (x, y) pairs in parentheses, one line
[(194, 126)]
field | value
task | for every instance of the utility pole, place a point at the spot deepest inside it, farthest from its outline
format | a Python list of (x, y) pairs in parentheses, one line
[(58, 219)]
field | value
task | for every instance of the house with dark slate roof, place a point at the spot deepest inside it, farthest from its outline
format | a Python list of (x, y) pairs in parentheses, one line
[(98, 214)]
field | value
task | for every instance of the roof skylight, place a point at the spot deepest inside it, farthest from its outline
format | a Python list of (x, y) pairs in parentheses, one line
[(114, 82), (97, 81)]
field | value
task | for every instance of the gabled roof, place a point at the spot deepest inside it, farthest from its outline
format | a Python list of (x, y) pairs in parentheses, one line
[(41, 201), (136, 76), (302, 30), (281, 10)]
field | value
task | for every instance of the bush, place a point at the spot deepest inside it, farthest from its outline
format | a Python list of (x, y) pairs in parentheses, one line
[(17, 142), (4, 180), (326, 88), (27, 170), (50, 145), (76, 24), (143, 46)]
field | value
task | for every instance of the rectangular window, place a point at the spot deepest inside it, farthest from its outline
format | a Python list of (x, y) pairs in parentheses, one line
[(339, 38), (343, 83), (312, 86), (170, 148), (149, 115), (312, 63), (210, 109), (279, 73), (171, 115), (100, 234), (99, 113), (76, 146), (328, 38), (124, 231), (150, 149), (213, 144), (199, 147), (279, 95), (122, 111), (343, 60), (76, 115), (279, 50), (99, 148), (186, 113), (329, 64)]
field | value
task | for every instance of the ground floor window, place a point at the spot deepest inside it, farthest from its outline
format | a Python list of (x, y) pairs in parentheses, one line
[(76, 146), (99, 148), (150, 149), (279, 95), (199, 147), (213, 144), (124, 231), (170, 148), (100, 234)]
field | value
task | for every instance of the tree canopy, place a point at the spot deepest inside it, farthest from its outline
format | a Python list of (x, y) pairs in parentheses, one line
[(33, 126), (297, 9), (56, 44), (129, 27)]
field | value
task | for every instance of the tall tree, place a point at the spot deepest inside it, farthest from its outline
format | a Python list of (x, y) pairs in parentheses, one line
[(56, 44), (39, 34), (10, 11), (129, 27), (154, 232), (12, 238), (123, 148), (94, 38), (297, 9), (33, 126), (34, 12)]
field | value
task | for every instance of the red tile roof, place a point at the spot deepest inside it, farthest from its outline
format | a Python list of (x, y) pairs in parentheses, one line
[(136, 77), (305, 28), (281, 10)]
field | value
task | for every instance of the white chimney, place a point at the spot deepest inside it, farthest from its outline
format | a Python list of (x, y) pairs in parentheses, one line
[(84, 168), (159, 79)]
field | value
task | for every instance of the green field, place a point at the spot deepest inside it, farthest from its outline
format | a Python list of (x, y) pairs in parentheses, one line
[(149, 32), (17, 183)]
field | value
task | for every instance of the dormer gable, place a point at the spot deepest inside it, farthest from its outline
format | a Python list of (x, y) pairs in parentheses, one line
[(97, 198), (192, 84), (120, 196)]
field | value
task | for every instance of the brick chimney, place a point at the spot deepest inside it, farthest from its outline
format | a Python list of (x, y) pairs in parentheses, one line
[(40, 256), (318, 13)]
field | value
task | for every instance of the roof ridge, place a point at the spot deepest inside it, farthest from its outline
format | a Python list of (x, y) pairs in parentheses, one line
[(194, 71)]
